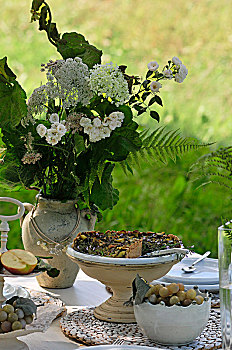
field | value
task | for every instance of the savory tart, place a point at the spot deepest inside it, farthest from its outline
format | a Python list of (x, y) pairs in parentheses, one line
[(123, 244)]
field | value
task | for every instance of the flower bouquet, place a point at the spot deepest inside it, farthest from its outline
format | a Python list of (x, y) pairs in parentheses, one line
[(67, 137)]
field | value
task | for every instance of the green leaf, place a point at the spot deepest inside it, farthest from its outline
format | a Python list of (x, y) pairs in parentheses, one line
[(152, 100), (158, 100), (100, 169), (54, 32), (27, 305), (36, 4), (155, 115), (103, 194), (145, 95), (44, 18), (149, 73), (128, 120), (75, 45), (124, 140), (140, 289), (42, 266), (138, 107), (146, 83), (79, 143), (6, 74), (143, 110), (12, 105)]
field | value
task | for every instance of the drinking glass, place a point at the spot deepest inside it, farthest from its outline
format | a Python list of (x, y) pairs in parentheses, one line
[(225, 282)]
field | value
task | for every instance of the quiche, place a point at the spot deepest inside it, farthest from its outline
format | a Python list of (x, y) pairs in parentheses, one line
[(123, 244)]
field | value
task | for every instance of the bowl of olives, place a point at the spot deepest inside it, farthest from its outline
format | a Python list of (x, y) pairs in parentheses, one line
[(170, 314)]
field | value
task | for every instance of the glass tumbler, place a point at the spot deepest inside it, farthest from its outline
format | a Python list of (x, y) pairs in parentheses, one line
[(225, 282)]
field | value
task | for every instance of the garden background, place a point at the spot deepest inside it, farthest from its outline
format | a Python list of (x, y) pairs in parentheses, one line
[(135, 32)]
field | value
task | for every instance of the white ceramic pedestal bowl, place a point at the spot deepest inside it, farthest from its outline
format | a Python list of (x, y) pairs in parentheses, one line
[(176, 325), (119, 273)]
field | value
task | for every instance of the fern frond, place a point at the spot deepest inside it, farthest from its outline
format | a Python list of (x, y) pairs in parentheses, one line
[(215, 166), (161, 145)]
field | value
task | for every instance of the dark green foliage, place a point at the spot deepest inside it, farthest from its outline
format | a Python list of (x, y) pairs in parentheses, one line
[(103, 194), (75, 45), (12, 98)]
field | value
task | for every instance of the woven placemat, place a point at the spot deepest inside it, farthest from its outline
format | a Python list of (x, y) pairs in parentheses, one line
[(81, 325), (215, 300), (44, 298)]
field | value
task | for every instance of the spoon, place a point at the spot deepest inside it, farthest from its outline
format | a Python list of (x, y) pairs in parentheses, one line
[(191, 268)]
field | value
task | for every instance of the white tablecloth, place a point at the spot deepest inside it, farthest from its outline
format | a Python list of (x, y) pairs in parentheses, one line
[(85, 292)]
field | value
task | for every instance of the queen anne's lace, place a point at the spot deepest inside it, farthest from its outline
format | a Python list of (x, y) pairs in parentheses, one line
[(37, 104), (107, 80), (67, 81)]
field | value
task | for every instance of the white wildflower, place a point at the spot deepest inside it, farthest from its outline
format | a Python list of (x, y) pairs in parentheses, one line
[(94, 135), (88, 129), (117, 115), (53, 132), (61, 129), (179, 78), (52, 140), (182, 74), (97, 129), (54, 118), (167, 73), (41, 130), (104, 132), (54, 126), (155, 86), (183, 71), (97, 122), (176, 61), (113, 124), (109, 81), (153, 66), (85, 122)]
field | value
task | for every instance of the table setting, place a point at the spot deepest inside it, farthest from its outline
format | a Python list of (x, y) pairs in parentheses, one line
[(84, 324)]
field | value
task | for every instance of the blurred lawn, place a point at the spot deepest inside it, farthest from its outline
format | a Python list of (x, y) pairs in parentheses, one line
[(134, 32)]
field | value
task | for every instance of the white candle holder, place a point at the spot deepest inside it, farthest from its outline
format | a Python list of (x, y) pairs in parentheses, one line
[(4, 229)]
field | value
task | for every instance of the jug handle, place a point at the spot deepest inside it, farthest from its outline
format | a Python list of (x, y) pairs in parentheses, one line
[(92, 220), (28, 207)]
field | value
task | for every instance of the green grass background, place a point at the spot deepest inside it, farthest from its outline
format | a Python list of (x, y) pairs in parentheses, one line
[(134, 32)]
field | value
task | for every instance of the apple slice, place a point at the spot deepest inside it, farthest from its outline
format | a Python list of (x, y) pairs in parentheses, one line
[(18, 261)]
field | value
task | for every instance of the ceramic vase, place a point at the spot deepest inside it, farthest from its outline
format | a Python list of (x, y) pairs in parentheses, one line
[(46, 231)]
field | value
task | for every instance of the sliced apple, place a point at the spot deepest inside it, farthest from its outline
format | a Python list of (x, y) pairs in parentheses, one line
[(18, 261)]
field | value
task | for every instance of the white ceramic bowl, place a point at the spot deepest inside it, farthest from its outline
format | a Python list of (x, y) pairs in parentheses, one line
[(176, 325)]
